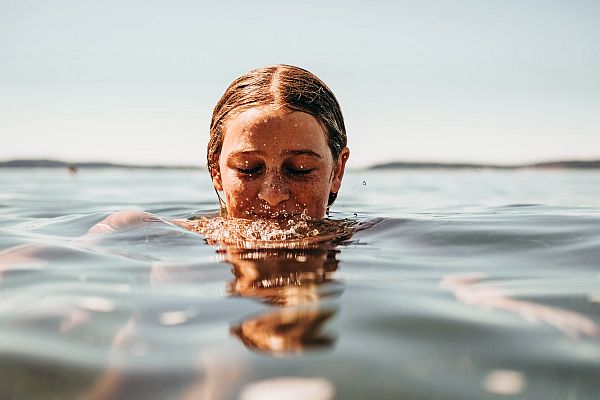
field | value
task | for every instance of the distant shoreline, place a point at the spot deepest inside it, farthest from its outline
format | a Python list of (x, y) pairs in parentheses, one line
[(85, 165), (565, 164)]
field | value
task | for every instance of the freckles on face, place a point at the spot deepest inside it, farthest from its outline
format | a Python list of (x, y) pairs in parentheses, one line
[(239, 195), (275, 162)]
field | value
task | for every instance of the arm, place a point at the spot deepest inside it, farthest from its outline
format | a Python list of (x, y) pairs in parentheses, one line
[(34, 256)]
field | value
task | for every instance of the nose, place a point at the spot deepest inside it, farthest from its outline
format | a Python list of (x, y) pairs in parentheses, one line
[(274, 190)]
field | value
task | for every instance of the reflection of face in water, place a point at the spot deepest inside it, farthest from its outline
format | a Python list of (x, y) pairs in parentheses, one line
[(293, 280), (283, 277)]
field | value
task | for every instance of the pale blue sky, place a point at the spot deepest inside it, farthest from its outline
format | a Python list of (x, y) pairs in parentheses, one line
[(135, 81)]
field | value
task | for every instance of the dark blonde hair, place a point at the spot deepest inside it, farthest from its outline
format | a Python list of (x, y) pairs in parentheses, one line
[(279, 85)]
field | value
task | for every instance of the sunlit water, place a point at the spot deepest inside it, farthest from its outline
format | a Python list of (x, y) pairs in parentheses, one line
[(455, 285)]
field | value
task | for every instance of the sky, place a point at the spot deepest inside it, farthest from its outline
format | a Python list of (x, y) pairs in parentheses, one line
[(492, 81)]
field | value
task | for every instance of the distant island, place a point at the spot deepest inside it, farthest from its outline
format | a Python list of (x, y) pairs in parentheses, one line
[(86, 165), (593, 164), (573, 164)]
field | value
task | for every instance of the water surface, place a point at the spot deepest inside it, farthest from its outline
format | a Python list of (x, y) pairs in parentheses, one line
[(465, 285)]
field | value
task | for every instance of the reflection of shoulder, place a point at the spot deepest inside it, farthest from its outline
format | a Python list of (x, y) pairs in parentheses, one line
[(122, 219)]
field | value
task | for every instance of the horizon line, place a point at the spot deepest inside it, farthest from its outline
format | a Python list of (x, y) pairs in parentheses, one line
[(56, 163)]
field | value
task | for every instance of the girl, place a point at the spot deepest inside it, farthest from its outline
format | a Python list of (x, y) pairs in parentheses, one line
[(277, 150)]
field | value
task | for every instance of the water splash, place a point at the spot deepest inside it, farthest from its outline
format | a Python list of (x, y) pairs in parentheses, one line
[(297, 232)]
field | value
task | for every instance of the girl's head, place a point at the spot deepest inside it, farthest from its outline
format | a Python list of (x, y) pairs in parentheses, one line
[(277, 144)]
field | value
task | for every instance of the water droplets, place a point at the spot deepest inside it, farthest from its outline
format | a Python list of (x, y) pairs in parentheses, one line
[(296, 231)]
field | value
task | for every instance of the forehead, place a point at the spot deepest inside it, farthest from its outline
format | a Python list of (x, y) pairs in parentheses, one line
[(270, 129)]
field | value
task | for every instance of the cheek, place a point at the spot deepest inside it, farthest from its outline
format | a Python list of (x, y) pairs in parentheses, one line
[(313, 194), (239, 192)]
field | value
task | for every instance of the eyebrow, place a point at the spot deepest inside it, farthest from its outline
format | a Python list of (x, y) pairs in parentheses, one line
[(302, 152), (234, 154)]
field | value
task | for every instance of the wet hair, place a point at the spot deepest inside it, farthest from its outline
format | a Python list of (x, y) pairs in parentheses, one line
[(281, 86)]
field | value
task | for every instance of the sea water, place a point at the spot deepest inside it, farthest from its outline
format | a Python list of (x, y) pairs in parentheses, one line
[(474, 284)]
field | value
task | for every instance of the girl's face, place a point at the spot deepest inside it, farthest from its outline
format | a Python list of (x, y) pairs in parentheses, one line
[(275, 163)]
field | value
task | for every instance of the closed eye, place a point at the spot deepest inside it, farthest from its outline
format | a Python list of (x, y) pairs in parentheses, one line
[(298, 172), (249, 171)]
